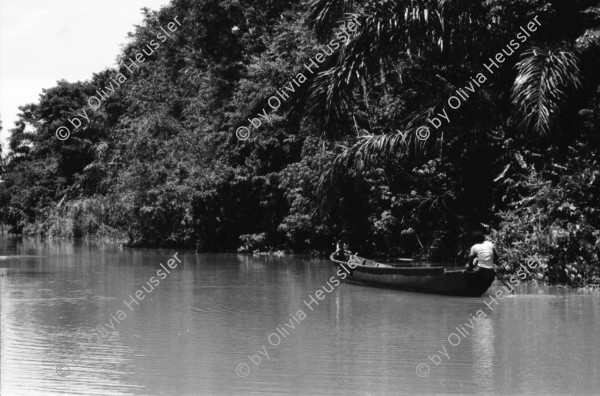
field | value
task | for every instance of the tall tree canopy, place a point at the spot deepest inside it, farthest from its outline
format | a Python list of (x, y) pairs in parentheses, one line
[(159, 163)]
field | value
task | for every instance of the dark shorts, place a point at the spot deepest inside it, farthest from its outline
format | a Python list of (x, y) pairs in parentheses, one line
[(484, 270)]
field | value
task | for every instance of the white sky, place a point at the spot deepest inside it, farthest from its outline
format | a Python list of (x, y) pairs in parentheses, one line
[(43, 41)]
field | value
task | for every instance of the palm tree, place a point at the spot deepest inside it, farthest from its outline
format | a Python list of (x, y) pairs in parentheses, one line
[(397, 35), (391, 33)]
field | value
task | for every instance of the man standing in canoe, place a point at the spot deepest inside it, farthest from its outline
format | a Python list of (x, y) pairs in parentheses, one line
[(482, 254)]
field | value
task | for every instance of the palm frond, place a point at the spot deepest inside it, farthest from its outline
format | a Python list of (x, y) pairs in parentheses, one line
[(389, 32), (543, 85), (370, 149), (324, 14)]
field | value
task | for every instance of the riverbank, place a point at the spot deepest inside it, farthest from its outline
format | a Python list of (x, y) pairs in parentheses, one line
[(539, 275)]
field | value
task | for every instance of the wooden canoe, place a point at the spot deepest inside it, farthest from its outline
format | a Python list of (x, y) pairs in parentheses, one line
[(437, 280)]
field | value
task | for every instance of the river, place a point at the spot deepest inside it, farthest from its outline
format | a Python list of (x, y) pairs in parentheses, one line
[(256, 325)]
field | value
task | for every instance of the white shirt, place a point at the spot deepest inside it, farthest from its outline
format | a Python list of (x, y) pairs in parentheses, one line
[(485, 254)]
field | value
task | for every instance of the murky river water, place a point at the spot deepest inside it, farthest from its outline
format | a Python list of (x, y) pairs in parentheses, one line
[(237, 324)]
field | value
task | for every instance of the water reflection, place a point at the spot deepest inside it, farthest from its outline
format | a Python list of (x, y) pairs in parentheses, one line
[(483, 353)]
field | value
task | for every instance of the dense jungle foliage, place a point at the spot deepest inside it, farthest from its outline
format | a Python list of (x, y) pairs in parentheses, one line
[(160, 165)]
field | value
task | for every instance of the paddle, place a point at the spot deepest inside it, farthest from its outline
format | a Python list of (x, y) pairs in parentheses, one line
[(505, 283)]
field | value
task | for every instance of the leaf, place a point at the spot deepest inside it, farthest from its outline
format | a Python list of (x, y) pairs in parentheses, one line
[(544, 83)]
